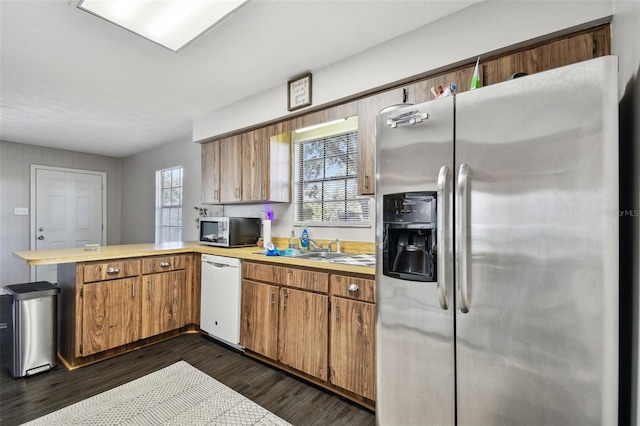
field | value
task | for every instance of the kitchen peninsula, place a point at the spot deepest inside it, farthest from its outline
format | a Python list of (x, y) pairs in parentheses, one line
[(124, 297)]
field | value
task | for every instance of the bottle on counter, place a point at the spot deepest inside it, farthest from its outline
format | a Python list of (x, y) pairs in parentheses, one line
[(304, 239), (293, 241)]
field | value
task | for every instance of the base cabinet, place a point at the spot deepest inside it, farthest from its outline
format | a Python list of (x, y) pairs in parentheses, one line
[(302, 332), (110, 315), (107, 308), (259, 318), (353, 346), (309, 323), (164, 303)]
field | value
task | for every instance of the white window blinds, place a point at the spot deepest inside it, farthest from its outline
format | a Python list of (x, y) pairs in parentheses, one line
[(326, 180)]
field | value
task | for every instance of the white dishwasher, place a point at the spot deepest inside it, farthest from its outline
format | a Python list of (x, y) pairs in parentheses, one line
[(220, 298)]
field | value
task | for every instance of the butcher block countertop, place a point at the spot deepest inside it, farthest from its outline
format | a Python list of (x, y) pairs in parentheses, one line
[(73, 255)]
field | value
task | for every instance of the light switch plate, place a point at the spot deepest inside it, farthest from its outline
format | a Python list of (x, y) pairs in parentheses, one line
[(21, 211)]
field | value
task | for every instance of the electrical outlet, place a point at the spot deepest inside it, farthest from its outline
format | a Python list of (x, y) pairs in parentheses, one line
[(21, 211)]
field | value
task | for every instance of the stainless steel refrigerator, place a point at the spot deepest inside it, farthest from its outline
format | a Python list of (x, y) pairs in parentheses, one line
[(497, 254)]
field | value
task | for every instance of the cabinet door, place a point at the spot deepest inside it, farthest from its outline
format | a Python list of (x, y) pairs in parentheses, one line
[(110, 314), (353, 346), (255, 165), (210, 165), (568, 50), (420, 91), (231, 169), (164, 303), (259, 318), (368, 109), (303, 331)]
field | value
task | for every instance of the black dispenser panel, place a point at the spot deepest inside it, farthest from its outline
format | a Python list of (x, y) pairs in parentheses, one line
[(409, 236)]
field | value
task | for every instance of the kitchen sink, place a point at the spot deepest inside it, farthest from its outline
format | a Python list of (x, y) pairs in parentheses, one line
[(320, 255)]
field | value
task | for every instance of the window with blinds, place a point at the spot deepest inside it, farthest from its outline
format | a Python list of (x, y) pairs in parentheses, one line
[(169, 205), (326, 182)]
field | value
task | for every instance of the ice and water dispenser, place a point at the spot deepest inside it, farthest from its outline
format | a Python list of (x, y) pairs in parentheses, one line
[(409, 236)]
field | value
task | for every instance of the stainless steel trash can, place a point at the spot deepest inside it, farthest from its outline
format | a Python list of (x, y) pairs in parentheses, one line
[(33, 328)]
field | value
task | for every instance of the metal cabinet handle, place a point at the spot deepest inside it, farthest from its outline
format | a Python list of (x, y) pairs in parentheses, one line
[(237, 193), (353, 288), (149, 286), (273, 301), (262, 191), (133, 288), (215, 195), (113, 270), (165, 264), (284, 300), (444, 229), (335, 310), (462, 243)]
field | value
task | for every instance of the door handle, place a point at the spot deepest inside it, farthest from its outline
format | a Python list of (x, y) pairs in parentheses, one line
[(462, 237), (444, 229)]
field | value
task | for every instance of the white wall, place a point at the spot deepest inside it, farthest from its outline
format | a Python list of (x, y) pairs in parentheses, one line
[(138, 194), (15, 186), (485, 27)]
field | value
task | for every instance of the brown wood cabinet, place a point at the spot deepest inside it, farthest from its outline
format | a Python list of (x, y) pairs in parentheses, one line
[(259, 318), (106, 307), (266, 167), (231, 169), (164, 303), (368, 109), (210, 172), (302, 331), (288, 325), (352, 337), (110, 315), (286, 317)]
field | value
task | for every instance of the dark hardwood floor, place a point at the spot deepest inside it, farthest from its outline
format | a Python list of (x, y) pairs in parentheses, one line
[(294, 400)]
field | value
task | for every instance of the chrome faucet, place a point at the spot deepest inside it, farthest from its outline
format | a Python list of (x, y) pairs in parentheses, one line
[(318, 246), (339, 245)]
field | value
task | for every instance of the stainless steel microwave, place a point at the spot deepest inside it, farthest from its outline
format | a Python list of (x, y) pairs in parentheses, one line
[(229, 231)]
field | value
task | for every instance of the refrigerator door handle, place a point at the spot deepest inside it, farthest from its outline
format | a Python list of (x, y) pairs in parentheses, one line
[(462, 275), (444, 229)]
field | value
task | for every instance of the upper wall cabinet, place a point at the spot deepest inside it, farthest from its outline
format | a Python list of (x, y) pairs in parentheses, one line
[(266, 167), (568, 50), (250, 167), (210, 165), (368, 109)]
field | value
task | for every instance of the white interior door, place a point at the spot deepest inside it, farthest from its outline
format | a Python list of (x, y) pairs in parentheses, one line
[(68, 208)]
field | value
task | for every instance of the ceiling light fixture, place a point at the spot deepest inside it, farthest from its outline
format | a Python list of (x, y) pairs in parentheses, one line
[(169, 23)]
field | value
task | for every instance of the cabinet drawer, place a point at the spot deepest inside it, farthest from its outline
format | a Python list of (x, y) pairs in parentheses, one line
[(152, 265), (111, 270), (361, 288), (258, 271), (303, 279)]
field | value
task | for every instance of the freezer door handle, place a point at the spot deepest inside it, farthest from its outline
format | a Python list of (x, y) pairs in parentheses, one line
[(462, 275), (444, 229)]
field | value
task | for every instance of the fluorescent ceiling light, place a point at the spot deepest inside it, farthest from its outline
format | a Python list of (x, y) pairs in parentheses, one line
[(170, 23)]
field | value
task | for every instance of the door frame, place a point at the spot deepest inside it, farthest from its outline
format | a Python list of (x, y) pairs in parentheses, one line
[(32, 216)]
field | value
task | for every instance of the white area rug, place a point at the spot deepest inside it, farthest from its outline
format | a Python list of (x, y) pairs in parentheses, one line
[(176, 395)]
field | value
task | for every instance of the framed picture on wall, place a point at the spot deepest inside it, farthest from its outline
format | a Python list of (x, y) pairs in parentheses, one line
[(299, 92)]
